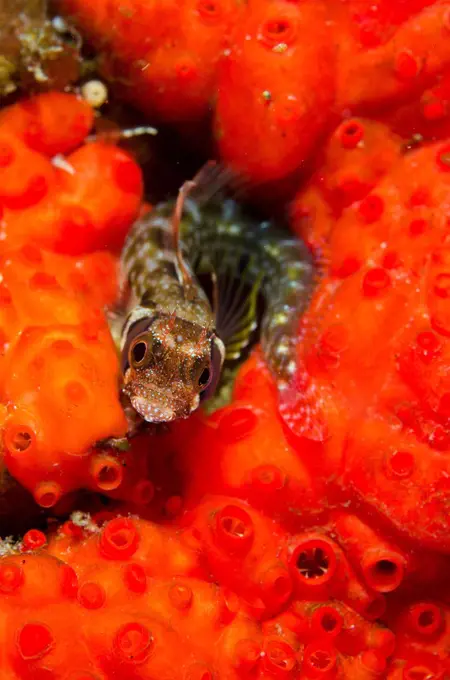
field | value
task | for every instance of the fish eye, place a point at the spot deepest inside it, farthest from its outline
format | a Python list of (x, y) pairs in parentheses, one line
[(138, 352), (204, 378)]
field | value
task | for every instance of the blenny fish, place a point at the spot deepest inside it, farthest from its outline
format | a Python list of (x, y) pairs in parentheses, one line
[(174, 341)]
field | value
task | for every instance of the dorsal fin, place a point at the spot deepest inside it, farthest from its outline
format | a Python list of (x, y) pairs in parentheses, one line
[(210, 180), (182, 270), (213, 178)]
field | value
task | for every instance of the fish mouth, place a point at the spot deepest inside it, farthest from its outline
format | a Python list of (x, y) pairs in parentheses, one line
[(153, 413), (156, 406)]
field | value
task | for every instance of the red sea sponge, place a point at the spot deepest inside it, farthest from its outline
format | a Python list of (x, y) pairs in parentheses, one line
[(68, 287), (376, 343), (51, 123), (426, 118), (252, 459), (412, 191), (322, 570), (271, 553), (76, 217), (72, 370), (371, 75), (132, 593), (259, 73), (42, 448), (180, 61), (355, 158), (161, 56), (56, 201), (31, 132), (58, 361), (241, 548), (422, 630), (326, 640), (160, 551), (26, 176), (94, 216)]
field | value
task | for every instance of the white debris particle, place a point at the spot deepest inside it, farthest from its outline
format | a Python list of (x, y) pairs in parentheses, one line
[(8, 546), (95, 93), (85, 521), (60, 162)]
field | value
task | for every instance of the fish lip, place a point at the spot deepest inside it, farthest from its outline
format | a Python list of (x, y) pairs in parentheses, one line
[(151, 413)]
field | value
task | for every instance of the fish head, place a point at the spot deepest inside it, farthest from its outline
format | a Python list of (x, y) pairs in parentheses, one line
[(168, 366)]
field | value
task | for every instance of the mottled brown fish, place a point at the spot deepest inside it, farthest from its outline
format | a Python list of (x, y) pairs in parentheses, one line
[(173, 342)]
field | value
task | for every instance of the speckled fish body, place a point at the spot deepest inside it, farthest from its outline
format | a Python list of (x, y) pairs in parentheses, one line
[(192, 339)]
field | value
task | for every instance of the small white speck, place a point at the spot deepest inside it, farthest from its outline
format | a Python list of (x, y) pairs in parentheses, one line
[(298, 264), (280, 48), (60, 162), (291, 368), (95, 93), (59, 24), (84, 520), (234, 229), (279, 319)]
